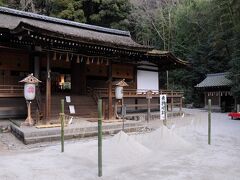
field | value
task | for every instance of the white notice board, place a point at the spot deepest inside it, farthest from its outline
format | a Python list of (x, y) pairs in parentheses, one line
[(163, 103), (68, 99), (147, 80), (72, 109)]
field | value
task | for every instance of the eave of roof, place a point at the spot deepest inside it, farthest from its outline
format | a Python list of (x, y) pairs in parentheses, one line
[(159, 53), (39, 17)]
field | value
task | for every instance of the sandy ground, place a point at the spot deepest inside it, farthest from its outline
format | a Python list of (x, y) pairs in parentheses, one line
[(179, 152)]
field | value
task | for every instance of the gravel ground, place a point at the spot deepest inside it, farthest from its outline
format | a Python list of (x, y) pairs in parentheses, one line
[(179, 152)]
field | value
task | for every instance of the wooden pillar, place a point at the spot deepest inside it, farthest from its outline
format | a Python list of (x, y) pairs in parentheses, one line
[(205, 99), (110, 111), (167, 79), (48, 89), (171, 100)]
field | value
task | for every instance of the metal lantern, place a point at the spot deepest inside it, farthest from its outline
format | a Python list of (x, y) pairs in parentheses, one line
[(29, 94)]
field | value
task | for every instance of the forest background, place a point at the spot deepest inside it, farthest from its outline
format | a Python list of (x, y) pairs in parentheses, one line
[(205, 33)]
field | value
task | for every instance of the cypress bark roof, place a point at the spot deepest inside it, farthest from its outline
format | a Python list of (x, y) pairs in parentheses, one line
[(19, 20), (21, 24), (215, 80)]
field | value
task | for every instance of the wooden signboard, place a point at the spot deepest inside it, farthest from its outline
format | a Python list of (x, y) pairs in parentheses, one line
[(123, 71)]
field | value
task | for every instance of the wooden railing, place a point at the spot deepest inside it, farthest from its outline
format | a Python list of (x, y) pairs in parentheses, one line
[(11, 91), (103, 93), (174, 99)]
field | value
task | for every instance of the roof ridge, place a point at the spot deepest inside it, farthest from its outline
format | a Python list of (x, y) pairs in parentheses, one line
[(39, 17), (218, 74)]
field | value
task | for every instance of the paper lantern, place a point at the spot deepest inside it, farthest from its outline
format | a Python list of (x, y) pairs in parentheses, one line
[(29, 91)]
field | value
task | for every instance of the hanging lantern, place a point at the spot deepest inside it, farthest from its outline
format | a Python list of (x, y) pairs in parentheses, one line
[(78, 61), (60, 57), (71, 57), (88, 62), (98, 62), (67, 58), (54, 56), (107, 63)]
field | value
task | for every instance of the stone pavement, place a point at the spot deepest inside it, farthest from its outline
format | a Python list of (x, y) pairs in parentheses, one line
[(79, 129)]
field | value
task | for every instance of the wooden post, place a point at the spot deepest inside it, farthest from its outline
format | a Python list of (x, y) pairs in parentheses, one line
[(48, 90), (238, 107), (62, 116), (100, 137), (166, 111), (219, 100), (181, 103), (209, 121), (124, 112), (104, 109), (29, 120), (136, 102), (171, 100), (148, 109), (167, 80), (205, 99), (110, 113)]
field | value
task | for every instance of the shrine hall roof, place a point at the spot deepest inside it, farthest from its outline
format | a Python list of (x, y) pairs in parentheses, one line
[(20, 24), (14, 19), (215, 80)]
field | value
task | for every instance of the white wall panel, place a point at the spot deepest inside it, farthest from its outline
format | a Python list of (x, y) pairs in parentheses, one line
[(147, 80)]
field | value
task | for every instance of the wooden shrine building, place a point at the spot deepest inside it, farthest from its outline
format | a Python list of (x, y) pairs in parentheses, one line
[(77, 60), (217, 88)]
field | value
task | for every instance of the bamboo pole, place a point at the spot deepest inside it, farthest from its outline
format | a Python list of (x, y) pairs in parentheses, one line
[(209, 121), (99, 137), (62, 125)]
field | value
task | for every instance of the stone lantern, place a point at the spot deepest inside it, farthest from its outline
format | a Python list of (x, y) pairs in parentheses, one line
[(29, 94)]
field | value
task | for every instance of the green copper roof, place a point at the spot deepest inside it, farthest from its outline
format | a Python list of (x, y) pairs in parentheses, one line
[(215, 80)]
